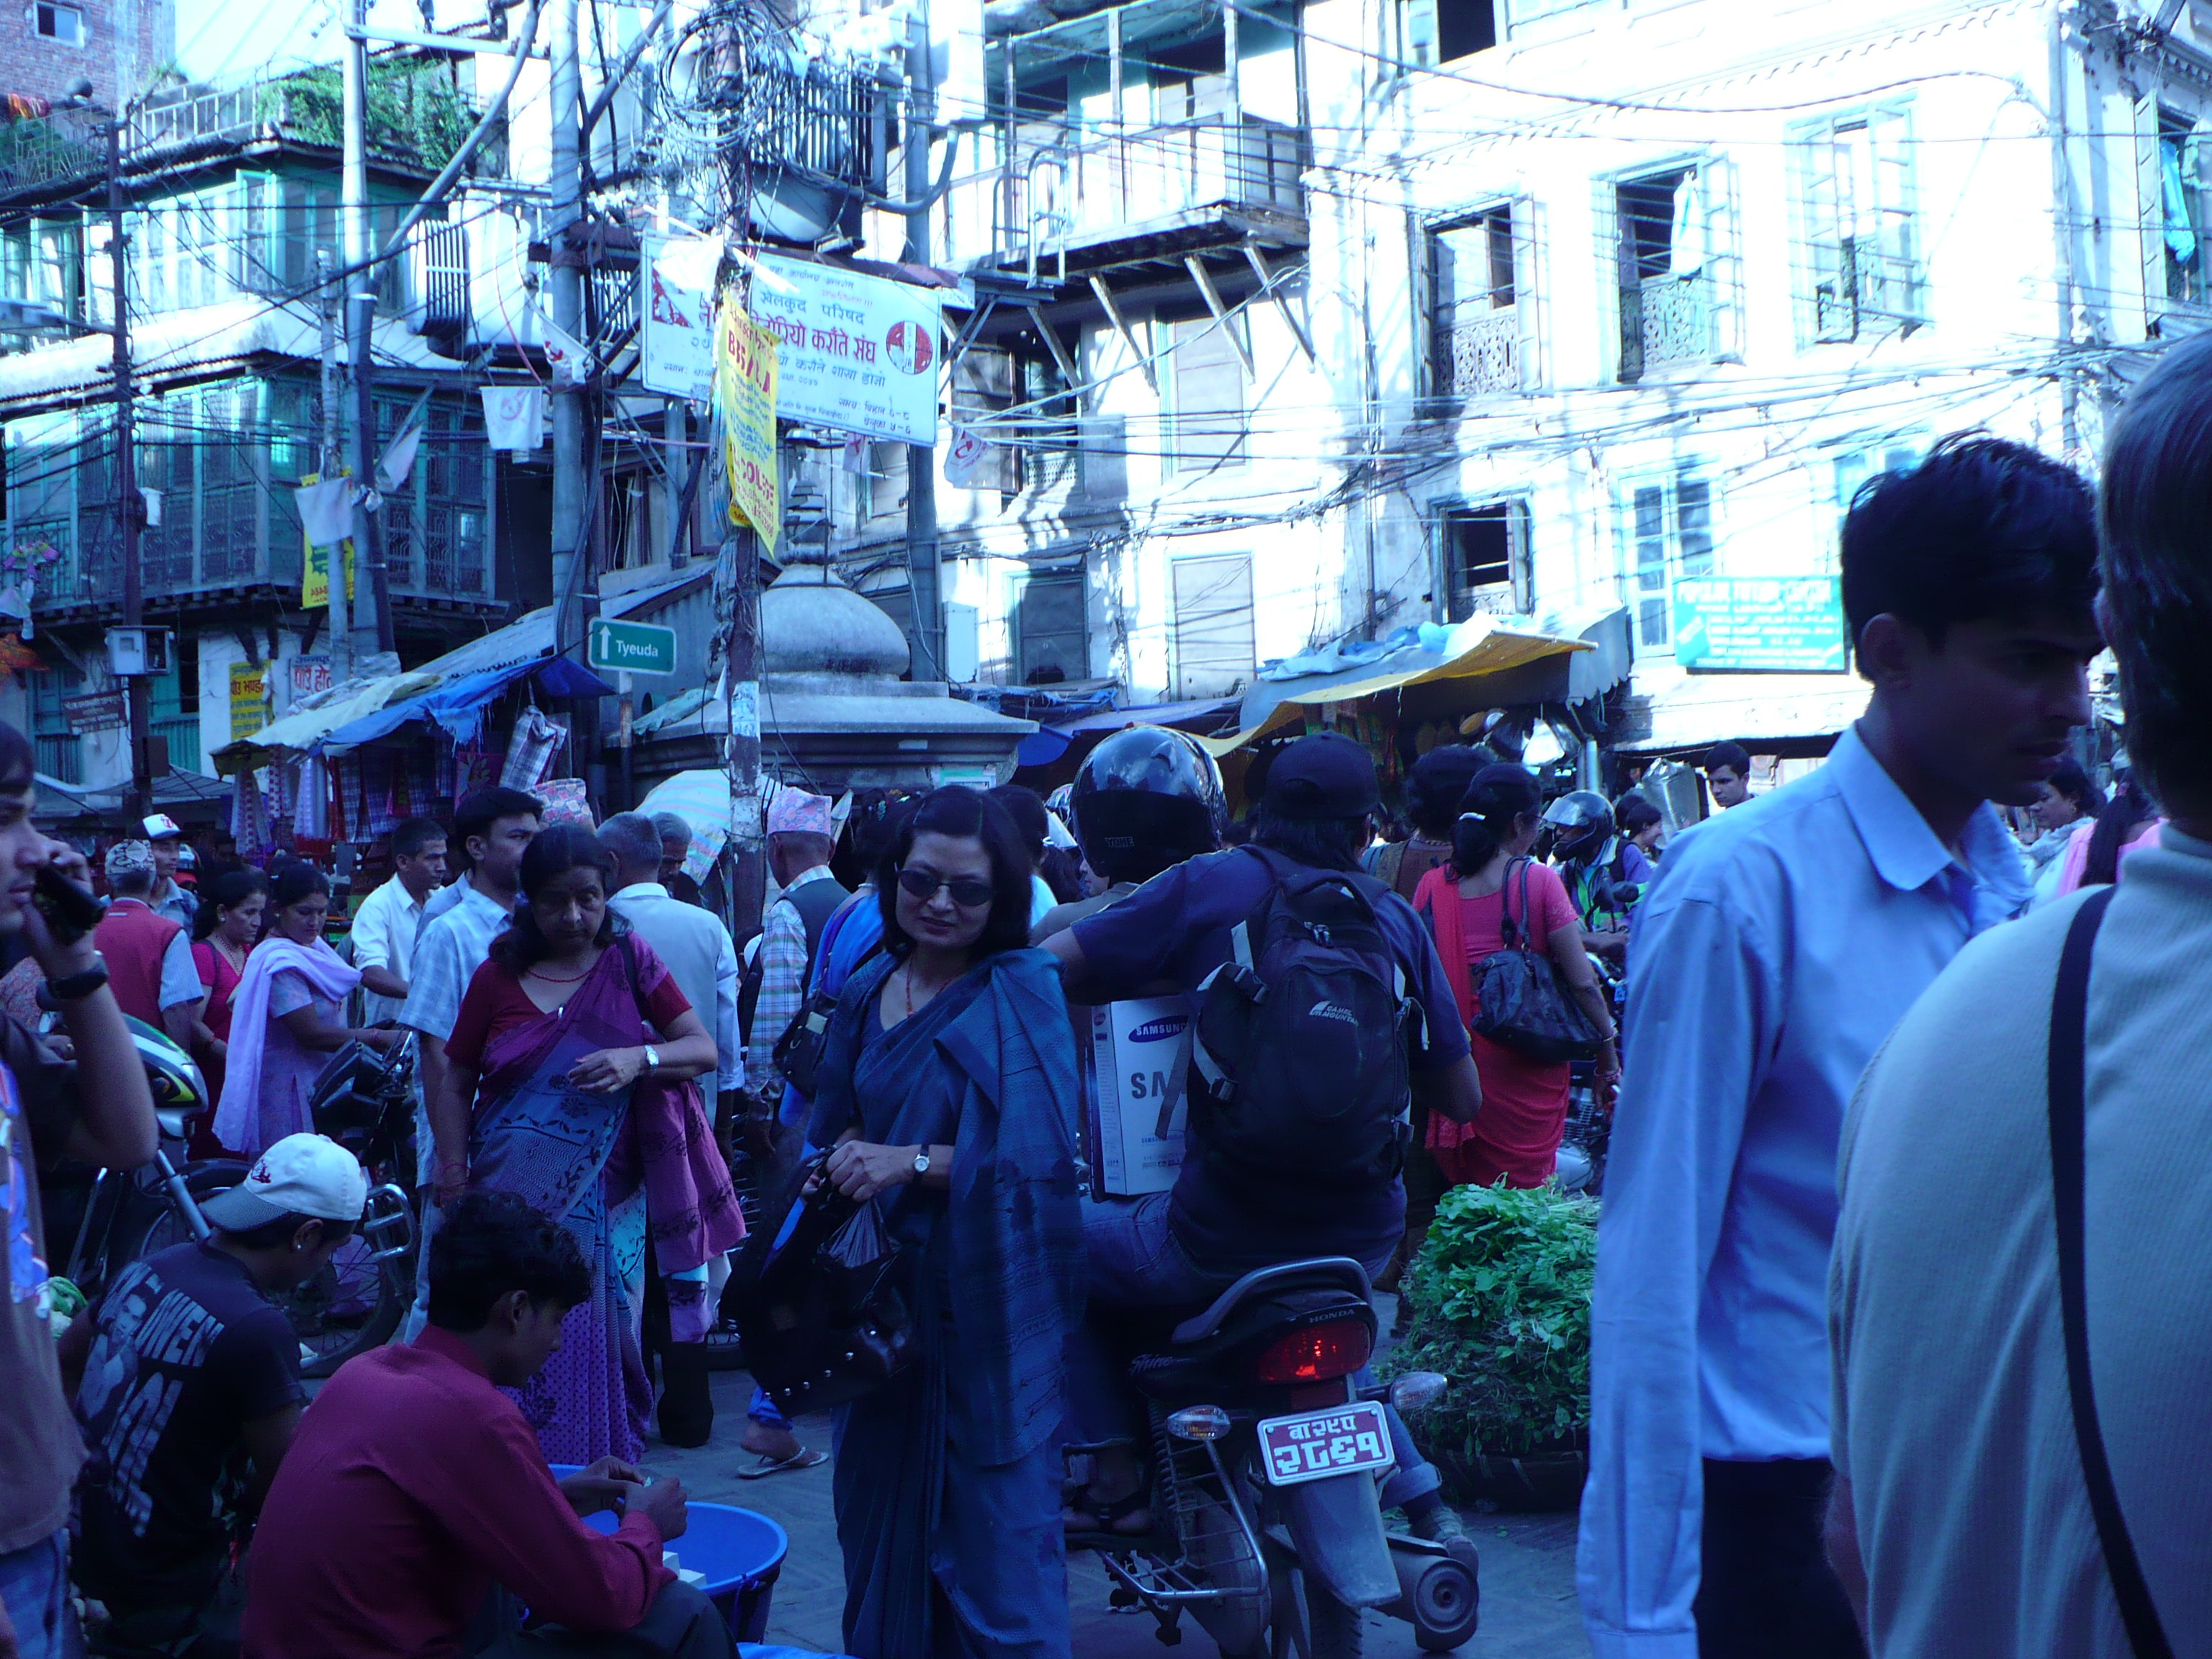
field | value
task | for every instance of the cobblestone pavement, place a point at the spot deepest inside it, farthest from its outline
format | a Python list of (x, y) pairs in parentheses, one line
[(1528, 1562)]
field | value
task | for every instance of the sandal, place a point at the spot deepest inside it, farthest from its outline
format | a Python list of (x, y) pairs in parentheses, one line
[(1088, 1516), (766, 1466)]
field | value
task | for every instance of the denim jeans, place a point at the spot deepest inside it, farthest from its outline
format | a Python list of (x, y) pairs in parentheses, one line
[(34, 1588), (1133, 1260)]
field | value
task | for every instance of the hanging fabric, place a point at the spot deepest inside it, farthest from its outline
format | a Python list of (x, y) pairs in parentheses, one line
[(530, 751), (2180, 205), (1685, 248)]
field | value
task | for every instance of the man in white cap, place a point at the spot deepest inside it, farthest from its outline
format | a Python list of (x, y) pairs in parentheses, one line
[(148, 955), (167, 837), (799, 842), (192, 1377)]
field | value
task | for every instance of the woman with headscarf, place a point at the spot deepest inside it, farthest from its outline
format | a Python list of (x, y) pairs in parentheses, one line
[(568, 1083), (948, 1091), (286, 1019)]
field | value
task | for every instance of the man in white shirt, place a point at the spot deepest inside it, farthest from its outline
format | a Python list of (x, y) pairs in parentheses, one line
[(1962, 1480), (494, 827), (703, 962), (390, 920), (691, 940), (1781, 945), (799, 843)]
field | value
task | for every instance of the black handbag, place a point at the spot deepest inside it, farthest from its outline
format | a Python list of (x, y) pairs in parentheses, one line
[(797, 1051), (823, 1314), (1519, 1000)]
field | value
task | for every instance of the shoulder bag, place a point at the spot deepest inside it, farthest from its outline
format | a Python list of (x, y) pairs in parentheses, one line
[(2069, 1013), (1519, 1001), (821, 1303)]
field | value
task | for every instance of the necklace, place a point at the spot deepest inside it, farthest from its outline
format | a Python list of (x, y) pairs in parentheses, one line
[(906, 990), (558, 979)]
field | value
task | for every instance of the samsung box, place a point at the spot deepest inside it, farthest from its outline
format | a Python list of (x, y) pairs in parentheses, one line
[(1139, 1056)]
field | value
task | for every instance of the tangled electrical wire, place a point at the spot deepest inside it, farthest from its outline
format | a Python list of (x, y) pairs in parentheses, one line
[(795, 137)]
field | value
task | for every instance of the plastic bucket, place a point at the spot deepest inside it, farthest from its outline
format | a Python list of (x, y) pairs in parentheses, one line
[(738, 1553)]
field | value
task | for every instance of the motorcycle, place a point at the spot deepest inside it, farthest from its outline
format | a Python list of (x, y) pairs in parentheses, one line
[(1268, 1459)]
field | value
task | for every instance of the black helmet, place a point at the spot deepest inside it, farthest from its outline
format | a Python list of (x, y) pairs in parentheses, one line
[(1146, 799)]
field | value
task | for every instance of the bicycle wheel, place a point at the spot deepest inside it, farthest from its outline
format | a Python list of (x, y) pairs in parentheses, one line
[(352, 1305)]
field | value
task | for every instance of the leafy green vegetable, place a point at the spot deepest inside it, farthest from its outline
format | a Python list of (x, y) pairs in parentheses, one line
[(1501, 1297)]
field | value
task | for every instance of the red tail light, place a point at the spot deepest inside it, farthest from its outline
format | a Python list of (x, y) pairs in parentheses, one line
[(1316, 1352)]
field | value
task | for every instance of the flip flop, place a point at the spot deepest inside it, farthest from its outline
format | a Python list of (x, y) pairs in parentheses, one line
[(801, 1459)]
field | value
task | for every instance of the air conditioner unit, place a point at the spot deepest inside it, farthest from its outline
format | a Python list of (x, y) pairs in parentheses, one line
[(140, 651)]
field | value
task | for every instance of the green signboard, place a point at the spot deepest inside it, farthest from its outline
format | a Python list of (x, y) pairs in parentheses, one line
[(1777, 624), (635, 648)]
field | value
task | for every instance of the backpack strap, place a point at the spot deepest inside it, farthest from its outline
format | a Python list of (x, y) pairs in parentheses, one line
[(2069, 1010)]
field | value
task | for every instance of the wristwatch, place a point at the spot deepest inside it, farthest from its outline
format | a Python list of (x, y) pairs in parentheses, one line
[(74, 987), (652, 1058), (922, 1164)]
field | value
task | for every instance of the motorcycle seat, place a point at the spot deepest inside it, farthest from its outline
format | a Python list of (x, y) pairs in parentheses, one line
[(1336, 1273)]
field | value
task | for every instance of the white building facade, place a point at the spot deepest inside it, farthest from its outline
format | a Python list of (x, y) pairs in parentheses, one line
[(1303, 326)]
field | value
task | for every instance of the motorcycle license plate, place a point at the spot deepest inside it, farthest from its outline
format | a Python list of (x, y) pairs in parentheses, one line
[(1314, 1445)]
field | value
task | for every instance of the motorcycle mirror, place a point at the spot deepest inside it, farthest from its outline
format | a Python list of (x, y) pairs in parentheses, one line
[(1198, 1423), (1416, 1391)]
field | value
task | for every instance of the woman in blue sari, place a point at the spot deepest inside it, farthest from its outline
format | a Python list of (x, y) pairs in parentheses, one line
[(949, 1094)]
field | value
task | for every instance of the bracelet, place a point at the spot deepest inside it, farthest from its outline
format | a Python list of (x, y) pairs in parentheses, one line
[(652, 1058)]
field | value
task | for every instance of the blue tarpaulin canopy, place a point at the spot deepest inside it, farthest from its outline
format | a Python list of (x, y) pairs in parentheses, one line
[(459, 706)]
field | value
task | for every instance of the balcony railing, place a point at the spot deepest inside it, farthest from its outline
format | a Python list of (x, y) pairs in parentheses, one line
[(1479, 354), (1064, 191), (1665, 319)]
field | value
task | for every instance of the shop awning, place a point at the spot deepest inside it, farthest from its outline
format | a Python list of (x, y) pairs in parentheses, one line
[(1477, 649), (459, 706), (1697, 710), (305, 728)]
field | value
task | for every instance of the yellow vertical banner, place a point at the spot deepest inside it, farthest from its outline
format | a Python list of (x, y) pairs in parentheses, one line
[(745, 400), (249, 700)]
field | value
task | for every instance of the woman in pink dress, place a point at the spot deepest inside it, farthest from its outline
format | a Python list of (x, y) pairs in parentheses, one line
[(1467, 903), (229, 922)]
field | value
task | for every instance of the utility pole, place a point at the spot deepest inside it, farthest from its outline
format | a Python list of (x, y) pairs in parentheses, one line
[(921, 564), (371, 610), (339, 637), (129, 509), (566, 280)]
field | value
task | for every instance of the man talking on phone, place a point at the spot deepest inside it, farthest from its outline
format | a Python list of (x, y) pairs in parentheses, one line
[(103, 1115)]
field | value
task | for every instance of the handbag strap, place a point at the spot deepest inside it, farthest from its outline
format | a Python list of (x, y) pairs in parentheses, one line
[(1515, 934), (2069, 1009)]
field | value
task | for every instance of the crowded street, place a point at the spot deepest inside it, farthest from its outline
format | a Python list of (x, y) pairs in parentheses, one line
[(1056, 828)]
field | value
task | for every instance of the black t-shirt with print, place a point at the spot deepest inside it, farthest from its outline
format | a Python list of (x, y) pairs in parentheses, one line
[(185, 1351)]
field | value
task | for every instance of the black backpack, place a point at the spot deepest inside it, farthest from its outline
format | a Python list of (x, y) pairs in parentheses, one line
[(1301, 1041)]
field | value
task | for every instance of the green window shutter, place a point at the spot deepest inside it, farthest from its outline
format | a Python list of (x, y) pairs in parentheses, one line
[(1528, 289), (2150, 214), (1616, 326), (1725, 255), (1896, 205)]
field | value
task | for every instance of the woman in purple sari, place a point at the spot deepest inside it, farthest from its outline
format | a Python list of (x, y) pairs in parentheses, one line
[(568, 1084)]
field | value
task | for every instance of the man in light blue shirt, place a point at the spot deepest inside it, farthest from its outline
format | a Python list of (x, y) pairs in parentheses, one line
[(1782, 943)]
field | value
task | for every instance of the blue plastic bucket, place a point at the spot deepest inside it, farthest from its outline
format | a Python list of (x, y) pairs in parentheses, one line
[(738, 1553)]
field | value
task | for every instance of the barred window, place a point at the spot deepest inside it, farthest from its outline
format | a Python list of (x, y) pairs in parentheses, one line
[(1861, 270)]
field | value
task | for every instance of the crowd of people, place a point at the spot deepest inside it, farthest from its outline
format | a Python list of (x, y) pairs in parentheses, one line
[(1881, 1150)]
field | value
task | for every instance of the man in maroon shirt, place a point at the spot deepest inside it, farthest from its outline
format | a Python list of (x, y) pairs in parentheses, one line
[(414, 1508)]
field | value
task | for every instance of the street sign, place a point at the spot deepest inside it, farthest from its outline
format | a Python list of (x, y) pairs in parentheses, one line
[(631, 648), (97, 711)]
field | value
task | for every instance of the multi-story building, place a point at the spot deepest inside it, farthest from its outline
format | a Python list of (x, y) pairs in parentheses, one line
[(122, 47), (233, 198), (1296, 326)]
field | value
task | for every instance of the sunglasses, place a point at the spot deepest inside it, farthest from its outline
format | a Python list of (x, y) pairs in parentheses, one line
[(968, 893)]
